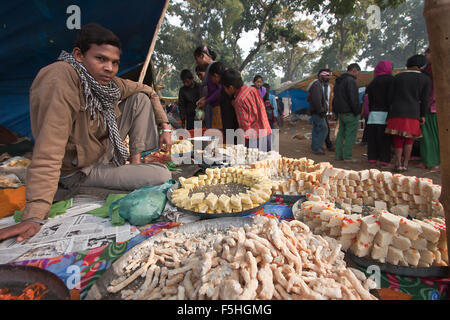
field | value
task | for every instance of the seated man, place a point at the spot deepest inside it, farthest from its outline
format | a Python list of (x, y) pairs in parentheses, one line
[(250, 111), (79, 127)]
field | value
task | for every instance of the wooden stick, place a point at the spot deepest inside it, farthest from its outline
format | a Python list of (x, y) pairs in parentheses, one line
[(437, 15), (152, 45)]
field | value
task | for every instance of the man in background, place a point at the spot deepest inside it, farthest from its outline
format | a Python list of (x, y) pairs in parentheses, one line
[(188, 96), (347, 108), (319, 93)]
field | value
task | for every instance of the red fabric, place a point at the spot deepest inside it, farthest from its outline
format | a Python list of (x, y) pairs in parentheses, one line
[(251, 112), (399, 142), (407, 127), (382, 68)]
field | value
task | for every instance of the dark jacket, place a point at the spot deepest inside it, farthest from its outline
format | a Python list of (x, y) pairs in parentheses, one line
[(316, 98), (346, 95), (411, 95), (380, 92), (229, 120), (187, 100)]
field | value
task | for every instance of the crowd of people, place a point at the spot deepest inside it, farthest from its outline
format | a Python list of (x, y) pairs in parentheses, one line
[(398, 110), (227, 103)]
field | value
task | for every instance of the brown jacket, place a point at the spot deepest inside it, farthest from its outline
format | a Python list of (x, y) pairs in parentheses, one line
[(66, 139)]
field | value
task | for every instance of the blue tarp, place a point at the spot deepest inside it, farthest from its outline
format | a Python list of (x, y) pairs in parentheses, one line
[(33, 33), (298, 98)]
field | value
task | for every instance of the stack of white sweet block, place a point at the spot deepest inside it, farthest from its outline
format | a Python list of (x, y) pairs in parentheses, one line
[(402, 195), (382, 236), (240, 155), (292, 176)]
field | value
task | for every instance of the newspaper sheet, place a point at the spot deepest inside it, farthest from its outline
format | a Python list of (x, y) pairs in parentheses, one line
[(74, 231)]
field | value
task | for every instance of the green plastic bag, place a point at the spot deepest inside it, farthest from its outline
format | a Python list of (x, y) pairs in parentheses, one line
[(142, 206)]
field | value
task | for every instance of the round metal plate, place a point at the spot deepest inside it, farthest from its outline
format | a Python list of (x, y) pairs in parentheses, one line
[(434, 272), (16, 278)]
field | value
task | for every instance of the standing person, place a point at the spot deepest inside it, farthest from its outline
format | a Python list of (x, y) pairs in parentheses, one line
[(318, 108), (258, 84), (209, 101), (79, 127), (429, 144), (319, 93), (215, 73), (408, 110), (188, 96), (273, 108), (348, 110), (379, 97), (250, 111)]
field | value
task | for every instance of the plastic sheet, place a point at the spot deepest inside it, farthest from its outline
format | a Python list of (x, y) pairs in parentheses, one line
[(142, 206)]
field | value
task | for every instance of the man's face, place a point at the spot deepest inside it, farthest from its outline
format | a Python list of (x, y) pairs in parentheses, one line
[(355, 73), (215, 78), (325, 78), (188, 82), (258, 83), (229, 90), (101, 61)]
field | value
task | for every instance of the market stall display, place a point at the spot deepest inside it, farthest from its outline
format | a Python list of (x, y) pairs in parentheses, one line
[(233, 259), (224, 190)]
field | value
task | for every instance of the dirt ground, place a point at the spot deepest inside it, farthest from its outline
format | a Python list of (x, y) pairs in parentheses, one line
[(301, 147)]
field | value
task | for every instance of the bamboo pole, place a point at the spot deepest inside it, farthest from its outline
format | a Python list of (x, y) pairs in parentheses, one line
[(437, 16), (152, 45)]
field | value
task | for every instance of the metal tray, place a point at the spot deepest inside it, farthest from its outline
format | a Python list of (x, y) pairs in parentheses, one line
[(431, 272), (211, 215), (16, 278), (99, 290)]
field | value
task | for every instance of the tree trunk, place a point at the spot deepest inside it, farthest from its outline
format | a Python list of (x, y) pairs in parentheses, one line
[(437, 15)]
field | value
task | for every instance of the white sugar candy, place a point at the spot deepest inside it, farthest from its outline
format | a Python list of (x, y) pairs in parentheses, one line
[(389, 222), (409, 229), (383, 238), (394, 255), (379, 253), (401, 242)]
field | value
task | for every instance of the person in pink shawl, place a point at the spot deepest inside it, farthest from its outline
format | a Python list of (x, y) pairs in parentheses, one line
[(379, 95)]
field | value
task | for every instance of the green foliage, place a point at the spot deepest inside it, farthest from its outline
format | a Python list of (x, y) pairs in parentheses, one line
[(284, 36), (405, 23)]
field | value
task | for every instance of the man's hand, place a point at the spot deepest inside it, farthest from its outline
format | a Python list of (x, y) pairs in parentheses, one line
[(23, 230), (165, 142), (201, 104), (422, 121)]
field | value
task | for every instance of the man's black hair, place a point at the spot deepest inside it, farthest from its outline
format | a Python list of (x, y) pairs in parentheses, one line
[(206, 50), (322, 70), (353, 66), (186, 74), (232, 77), (217, 68), (257, 77), (199, 68), (94, 33), (417, 60), (266, 85)]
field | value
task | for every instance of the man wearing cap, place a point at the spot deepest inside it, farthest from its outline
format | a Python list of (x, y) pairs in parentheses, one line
[(318, 98)]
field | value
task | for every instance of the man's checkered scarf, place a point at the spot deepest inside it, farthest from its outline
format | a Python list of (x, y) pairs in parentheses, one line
[(101, 99)]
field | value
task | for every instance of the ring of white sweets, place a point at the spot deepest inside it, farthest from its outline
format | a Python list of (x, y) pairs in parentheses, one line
[(259, 193)]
